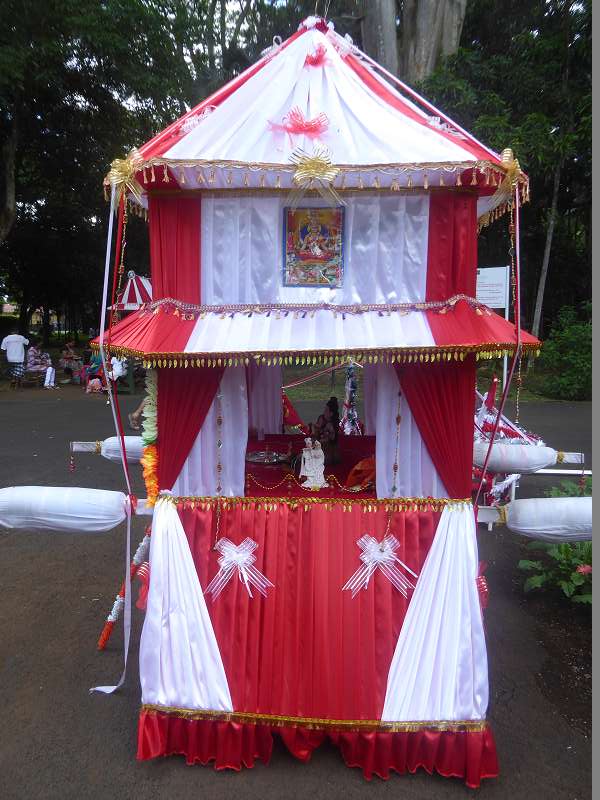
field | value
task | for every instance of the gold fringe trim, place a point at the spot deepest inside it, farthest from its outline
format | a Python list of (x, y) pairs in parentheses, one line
[(368, 505), (316, 723), (422, 355), (389, 168)]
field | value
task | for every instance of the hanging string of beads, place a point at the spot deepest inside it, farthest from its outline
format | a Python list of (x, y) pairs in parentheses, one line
[(397, 447), (513, 281)]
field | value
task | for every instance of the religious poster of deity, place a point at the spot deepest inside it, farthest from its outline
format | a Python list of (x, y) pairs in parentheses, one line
[(313, 243)]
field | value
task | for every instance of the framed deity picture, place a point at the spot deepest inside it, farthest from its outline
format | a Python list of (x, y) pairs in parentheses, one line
[(313, 246)]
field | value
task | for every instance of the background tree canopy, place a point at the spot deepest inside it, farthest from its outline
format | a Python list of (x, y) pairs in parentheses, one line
[(82, 81)]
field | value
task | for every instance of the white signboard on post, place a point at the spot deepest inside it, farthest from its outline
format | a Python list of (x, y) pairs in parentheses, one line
[(493, 290), (492, 286)]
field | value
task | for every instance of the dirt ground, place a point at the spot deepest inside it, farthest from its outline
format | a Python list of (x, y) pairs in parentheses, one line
[(59, 741)]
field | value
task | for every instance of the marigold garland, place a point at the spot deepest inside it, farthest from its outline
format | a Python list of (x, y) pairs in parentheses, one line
[(149, 462)]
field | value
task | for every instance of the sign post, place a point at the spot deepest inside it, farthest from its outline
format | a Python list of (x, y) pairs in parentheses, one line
[(493, 290)]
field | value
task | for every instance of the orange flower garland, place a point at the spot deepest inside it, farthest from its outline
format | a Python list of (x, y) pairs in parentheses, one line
[(149, 462)]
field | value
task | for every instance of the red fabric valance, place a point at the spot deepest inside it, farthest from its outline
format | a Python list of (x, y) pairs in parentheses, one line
[(183, 400), (452, 247), (441, 401), (175, 247), (470, 755)]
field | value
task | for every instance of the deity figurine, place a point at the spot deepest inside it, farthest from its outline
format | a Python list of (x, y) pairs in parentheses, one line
[(313, 465)]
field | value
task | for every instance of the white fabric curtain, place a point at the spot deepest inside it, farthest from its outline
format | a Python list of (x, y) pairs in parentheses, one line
[(180, 662), (198, 476), (416, 476), (439, 669), (265, 411), (62, 509), (385, 250)]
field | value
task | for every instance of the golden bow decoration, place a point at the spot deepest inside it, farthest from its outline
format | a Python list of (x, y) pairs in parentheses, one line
[(513, 174), (314, 171), (122, 175)]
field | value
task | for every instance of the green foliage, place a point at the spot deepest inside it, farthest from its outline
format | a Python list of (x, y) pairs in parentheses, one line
[(526, 84), (567, 356), (571, 489), (566, 567)]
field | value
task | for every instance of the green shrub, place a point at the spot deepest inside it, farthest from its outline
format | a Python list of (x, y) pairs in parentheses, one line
[(567, 567), (567, 356), (571, 489)]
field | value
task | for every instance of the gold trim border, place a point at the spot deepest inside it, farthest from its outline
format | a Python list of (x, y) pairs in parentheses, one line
[(316, 723), (388, 355), (367, 504)]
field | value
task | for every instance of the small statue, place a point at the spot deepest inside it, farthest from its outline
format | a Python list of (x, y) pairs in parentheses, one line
[(313, 465)]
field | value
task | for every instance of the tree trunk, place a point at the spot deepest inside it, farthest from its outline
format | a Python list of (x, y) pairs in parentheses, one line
[(379, 32), (24, 317), (8, 206), (429, 30), (539, 300), (46, 326)]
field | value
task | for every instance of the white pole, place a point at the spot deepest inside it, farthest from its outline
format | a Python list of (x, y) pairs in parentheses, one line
[(506, 316)]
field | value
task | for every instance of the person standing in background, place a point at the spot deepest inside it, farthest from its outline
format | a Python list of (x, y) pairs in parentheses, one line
[(14, 344)]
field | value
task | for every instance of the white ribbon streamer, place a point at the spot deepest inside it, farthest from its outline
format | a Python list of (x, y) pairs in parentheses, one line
[(241, 558), (382, 556)]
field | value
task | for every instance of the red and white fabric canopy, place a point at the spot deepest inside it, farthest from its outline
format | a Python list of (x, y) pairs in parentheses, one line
[(316, 89), (137, 291), (420, 331)]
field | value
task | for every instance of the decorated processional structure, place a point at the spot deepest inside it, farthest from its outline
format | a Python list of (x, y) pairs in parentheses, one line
[(315, 211)]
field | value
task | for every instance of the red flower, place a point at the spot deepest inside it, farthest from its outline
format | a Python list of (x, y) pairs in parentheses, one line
[(585, 569)]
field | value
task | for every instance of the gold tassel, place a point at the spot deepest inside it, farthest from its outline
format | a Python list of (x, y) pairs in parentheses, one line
[(165, 174), (425, 181)]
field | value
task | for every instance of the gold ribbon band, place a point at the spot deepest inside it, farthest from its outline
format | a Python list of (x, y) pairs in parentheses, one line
[(318, 723)]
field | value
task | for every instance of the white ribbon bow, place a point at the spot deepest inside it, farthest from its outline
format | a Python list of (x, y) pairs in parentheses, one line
[(241, 558), (379, 555)]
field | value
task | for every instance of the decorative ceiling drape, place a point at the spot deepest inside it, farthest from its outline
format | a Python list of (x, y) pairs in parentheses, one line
[(441, 399), (184, 398)]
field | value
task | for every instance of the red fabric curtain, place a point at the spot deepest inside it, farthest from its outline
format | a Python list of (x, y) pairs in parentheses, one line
[(175, 247), (452, 247), (441, 399), (308, 649), (184, 397)]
